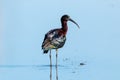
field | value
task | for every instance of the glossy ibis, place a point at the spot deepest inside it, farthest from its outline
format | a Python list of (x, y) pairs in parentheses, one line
[(56, 38)]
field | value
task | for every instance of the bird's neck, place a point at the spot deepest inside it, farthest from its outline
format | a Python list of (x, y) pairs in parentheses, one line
[(64, 26)]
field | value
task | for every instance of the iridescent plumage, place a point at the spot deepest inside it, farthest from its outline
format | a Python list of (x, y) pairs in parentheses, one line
[(54, 39)]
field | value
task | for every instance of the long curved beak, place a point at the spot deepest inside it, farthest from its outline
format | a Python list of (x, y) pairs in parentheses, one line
[(74, 22)]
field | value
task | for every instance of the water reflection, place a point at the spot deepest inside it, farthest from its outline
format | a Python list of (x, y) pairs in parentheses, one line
[(50, 72), (56, 72), (37, 68)]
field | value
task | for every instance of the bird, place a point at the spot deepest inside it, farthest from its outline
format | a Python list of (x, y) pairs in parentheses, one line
[(56, 38)]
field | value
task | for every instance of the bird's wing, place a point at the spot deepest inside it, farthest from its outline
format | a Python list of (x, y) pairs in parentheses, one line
[(49, 37)]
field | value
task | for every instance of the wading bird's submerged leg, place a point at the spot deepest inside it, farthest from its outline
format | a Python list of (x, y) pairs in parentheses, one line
[(50, 72), (50, 66), (56, 64)]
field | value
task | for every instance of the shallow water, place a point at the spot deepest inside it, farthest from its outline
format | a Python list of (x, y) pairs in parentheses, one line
[(90, 70), (38, 72)]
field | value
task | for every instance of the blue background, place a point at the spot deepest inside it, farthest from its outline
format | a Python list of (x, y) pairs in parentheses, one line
[(23, 24)]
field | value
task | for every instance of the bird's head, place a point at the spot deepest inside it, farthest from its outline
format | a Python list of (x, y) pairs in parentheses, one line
[(67, 18)]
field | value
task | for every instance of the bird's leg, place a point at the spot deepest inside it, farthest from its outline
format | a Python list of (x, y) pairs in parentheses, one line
[(50, 58), (56, 56), (56, 64), (50, 66)]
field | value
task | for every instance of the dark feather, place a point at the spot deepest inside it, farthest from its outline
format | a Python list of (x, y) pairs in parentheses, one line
[(54, 39)]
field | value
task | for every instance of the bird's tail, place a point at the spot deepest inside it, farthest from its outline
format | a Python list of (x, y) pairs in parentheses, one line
[(45, 51)]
